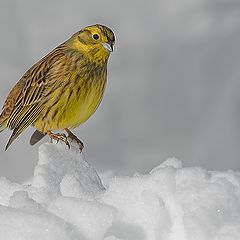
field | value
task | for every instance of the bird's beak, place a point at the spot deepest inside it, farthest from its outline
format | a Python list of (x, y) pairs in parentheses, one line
[(108, 46)]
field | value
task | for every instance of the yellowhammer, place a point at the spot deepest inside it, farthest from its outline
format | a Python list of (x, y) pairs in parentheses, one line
[(63, 89)]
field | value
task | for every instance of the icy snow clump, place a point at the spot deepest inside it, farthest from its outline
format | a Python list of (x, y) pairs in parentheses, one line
[(67, 201)]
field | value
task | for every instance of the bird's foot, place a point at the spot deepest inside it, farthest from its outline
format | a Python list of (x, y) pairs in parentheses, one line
[(72, 137), (59, 136)]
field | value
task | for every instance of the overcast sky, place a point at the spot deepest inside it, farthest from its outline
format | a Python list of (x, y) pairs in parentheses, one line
[(173, 84)]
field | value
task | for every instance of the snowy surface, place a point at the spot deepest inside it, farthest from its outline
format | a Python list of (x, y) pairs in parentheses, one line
[(67, 200)]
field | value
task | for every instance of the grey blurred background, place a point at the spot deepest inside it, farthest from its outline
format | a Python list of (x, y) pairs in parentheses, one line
[(173, 85)]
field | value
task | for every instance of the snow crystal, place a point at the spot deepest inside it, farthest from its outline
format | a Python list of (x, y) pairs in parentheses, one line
[(20, 199), (7, 188), (67, 201), (23, 224), (92, 219), (65, 172)]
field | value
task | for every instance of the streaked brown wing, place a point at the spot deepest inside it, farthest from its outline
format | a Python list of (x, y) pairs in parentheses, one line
[(22, 105), (24, 108)]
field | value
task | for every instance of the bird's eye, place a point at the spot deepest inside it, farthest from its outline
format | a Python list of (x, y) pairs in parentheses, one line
[(95, 36)]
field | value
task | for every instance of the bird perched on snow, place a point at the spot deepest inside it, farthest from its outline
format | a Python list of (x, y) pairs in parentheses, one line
[(63, 89)]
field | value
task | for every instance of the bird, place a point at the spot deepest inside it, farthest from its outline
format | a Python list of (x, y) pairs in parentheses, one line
[(62, 90)]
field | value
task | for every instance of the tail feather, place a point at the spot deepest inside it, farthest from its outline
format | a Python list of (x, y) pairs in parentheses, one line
[(36, 137), (16, 132)]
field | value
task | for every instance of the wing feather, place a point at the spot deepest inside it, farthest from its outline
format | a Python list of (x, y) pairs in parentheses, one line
[(23, 105)]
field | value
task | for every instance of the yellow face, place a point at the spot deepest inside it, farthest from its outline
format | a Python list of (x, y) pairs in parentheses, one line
[(95, 41)]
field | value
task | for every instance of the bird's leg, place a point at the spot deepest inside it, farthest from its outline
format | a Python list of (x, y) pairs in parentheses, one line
[(71, 136), (58, 136)]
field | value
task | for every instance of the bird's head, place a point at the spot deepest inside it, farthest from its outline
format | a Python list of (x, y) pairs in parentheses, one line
[(95, 41)]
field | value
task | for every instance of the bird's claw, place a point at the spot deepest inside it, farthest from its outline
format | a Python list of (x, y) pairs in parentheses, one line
[(72, 137), (66, 139), (78, 141), (58, 137)]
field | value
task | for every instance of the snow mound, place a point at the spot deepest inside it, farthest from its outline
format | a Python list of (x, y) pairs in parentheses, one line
[(67, 201)]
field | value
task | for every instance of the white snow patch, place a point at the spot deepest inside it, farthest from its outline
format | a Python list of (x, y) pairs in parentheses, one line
[(91, 218), (67, 201)]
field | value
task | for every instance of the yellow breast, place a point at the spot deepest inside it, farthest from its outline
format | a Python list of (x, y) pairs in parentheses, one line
[(74, 104), (81, 105)]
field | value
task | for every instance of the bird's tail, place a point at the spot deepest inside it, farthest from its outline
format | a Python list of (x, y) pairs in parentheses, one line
[(36, 137)]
